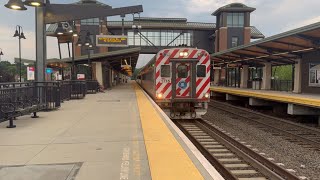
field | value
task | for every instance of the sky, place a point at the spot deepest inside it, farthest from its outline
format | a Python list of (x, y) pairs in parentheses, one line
[(271, 17)]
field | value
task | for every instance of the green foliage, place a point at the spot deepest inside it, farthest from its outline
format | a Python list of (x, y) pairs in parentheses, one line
[(282, 72), (8, 71)]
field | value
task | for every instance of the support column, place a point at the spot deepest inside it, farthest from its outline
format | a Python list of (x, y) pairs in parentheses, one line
[(297, 77), (77, 49), (41, 44), (98, 72), (244, 76), (223, 36), (266, 79), (216, 76), (103, 31)]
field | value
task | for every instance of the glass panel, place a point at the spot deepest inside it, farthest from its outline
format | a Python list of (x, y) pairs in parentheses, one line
[(201, 71), (235, 20), (182, 71), (235, 41), (165, 70), (229, 19), (241, 20)]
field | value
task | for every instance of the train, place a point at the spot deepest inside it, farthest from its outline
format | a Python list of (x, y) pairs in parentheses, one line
[(178, 80)]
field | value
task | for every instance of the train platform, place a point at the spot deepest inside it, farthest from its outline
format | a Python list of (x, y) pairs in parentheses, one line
[(308, 100), (119, 134)]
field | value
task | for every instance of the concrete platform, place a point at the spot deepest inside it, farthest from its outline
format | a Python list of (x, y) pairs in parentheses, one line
[(114, 135), (310, 100)]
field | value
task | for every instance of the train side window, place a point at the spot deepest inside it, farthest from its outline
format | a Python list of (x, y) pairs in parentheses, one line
[(165, 70), (201, 71), (182, 71)]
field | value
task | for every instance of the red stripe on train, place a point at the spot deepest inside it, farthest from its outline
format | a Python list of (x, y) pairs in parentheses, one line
[(172, 55), (204, 86)]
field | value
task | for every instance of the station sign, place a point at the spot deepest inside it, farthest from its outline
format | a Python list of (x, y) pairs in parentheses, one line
[(81, 76), (216, 68), (30, 73), (112, 41), (49, 70)]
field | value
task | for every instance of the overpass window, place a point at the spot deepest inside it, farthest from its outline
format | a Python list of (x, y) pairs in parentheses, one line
[(235, 19), (201, 71), (159, 38), (93, 21), (165, 71), (314, 74), (235, 41), (182, 71)]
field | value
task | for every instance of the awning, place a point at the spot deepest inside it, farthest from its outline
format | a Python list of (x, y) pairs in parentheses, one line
[(114, 58), (281, 49)]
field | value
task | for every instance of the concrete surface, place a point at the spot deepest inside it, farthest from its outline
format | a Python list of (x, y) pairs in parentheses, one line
[(103, 132)]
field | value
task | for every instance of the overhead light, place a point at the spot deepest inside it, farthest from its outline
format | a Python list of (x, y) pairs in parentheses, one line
[(34, 3), (70, 31), (79, 43), (59, 29), (74, 34), (15, 5), (22, 36), (16, 34)]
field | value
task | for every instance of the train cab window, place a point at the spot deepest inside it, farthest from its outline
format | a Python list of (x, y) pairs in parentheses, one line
[(182, 71), (201, 71), (165, 71)]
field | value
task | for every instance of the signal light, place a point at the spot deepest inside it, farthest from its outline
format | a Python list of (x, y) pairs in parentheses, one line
[(207, 95), (159, 96)]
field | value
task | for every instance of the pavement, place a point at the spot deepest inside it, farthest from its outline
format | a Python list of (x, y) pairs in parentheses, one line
[(99, 137), (104, 136)]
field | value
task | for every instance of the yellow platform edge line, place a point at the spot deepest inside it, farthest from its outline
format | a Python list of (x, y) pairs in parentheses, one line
[(267, 96), (167, 159)]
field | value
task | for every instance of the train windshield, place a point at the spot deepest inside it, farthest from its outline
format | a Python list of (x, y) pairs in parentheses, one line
[(182, 71), (201, 71), (165, 71)]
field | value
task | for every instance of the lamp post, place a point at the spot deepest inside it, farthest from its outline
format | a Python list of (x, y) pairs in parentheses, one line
[(1, 54), (89, 45), (19, 33)]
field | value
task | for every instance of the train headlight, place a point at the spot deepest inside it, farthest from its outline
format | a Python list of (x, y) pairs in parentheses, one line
[(207, 95), (159, 96), (184, 54)]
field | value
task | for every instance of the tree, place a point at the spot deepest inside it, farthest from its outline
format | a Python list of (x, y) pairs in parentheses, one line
[(282, 72)]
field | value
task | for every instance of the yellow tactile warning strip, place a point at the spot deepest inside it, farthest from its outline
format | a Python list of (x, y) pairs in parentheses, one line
[(269, 96), (167, 159)]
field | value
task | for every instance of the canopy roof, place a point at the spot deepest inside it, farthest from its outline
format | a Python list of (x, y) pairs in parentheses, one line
[(279, 49), (112, 58)]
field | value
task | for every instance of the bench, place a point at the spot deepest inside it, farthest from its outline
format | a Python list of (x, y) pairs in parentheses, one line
[(12, 110)]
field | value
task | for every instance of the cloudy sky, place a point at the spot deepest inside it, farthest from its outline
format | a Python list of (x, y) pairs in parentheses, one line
[(271, 17)]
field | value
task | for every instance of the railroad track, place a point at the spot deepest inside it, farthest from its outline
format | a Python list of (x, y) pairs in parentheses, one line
[(231, 158), (304, 136)]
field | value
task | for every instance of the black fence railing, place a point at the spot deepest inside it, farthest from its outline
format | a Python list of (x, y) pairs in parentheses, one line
[(92, 86), (37, 96), (281, 85)]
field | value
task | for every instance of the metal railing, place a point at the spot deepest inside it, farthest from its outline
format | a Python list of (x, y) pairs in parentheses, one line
[(49, 94), (281, 85), (92, 86)]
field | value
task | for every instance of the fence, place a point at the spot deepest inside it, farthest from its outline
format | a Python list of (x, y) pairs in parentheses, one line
[(51, 94), (281, 85)]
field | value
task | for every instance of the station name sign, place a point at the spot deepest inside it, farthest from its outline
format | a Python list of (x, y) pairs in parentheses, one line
[(112, 41)]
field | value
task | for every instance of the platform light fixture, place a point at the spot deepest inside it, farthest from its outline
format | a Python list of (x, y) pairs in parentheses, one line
[(34, 3), (15, 5), (60, 29)]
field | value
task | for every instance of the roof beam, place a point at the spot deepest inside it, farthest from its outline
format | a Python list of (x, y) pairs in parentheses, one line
[(291, 44), (314, 40)]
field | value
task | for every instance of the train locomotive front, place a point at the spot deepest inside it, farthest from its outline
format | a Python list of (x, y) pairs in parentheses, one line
[(178, 80)]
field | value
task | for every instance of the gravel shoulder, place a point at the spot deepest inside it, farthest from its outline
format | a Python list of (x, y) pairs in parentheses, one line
[(305, 162)]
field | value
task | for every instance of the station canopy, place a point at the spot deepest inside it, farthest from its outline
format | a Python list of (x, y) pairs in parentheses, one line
[(123, 61), (281, 49)]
